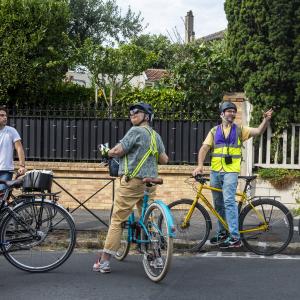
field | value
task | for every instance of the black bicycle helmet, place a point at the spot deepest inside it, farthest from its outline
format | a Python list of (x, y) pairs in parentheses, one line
[(227, 105), (145, 107)]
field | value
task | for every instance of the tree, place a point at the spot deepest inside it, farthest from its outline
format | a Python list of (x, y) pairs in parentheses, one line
[(160, 45), (113, 68), (33, 49), (102, 21), (203, 71), (263, 39)]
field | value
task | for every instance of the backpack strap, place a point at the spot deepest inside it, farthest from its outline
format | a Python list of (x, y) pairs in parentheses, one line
[(151, 151)]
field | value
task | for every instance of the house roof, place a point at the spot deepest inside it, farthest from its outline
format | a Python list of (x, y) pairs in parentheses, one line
[(155, 74), (214, 36)]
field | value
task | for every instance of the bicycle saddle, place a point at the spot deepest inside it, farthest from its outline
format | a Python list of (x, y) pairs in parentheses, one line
[(12, 183), (248, 178), (153, 180)]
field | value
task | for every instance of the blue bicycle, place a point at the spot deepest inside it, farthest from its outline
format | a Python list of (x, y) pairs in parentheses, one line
[(153, 232)]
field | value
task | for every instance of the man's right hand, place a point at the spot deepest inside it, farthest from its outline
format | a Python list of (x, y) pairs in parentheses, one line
[(198, 170)]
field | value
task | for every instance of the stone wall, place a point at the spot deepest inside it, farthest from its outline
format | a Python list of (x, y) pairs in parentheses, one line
[(287, 195)]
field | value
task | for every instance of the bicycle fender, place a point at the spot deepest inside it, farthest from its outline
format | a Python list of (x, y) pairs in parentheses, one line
[(168, 214)]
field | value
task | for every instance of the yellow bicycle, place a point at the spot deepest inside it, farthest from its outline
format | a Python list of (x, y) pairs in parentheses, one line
[(266, 225)]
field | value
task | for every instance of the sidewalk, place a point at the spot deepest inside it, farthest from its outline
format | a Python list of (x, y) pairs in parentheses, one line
[(91, 233)]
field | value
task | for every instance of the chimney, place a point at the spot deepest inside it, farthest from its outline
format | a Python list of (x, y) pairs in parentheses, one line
[(189, 27)]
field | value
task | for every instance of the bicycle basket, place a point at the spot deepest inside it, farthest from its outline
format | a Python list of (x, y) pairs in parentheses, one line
[(38, 181), (113, 166)]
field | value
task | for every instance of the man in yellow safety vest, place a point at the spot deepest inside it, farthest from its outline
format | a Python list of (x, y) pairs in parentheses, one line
[(225, 142)]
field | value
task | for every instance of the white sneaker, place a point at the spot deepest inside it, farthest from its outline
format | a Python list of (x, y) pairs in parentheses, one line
[(103, 267)]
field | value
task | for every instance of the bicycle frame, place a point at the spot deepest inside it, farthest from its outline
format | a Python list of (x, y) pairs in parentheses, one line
[(243, 198), (131, 220)]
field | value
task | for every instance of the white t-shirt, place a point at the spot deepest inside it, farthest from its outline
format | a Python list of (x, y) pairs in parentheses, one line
[(8, 136)]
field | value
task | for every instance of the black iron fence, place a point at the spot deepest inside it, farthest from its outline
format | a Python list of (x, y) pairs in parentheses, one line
[(74, 137)]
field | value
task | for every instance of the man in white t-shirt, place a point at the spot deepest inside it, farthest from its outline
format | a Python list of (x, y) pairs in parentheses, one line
[(10, 140)]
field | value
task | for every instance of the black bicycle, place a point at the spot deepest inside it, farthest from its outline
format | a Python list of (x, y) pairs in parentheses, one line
[(36, 233)]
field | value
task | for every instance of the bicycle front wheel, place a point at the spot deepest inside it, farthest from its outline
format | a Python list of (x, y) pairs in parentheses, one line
[(37, 236), (266, 226), (158, 245), (122, 252), (191, 236)]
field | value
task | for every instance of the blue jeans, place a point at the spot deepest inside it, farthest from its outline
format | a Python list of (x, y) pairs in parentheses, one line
[(224, 202), (5, 175)]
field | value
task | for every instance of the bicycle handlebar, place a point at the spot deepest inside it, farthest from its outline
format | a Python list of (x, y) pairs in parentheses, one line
[(200, 178)]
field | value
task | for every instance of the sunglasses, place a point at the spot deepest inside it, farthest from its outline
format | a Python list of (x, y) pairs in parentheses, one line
[(135, 111)]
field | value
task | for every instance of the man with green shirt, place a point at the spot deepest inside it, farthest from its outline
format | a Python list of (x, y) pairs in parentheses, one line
[(225, 142), (131, 151)]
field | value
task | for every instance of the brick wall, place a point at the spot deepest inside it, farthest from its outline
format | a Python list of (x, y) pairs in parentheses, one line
[(174, 186)]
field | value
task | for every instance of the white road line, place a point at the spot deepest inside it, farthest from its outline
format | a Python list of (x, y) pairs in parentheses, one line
[(246, 255)]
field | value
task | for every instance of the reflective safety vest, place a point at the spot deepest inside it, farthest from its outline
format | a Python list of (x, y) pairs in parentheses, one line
[(229, 146), (151, 151)]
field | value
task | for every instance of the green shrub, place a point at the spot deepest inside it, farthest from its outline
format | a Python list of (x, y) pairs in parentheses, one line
[(280, 178)]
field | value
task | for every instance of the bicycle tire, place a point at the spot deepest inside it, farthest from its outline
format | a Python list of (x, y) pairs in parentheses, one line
[(194, 236), (42, 231), (158, 251), (279, 233), (123, 251)]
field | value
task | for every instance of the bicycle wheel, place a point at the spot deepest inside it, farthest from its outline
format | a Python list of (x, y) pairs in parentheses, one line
[(278, 233), (38, 236), (158, 249), (193, 236), (122, 252)]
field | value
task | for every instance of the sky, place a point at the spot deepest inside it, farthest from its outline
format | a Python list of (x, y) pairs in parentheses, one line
[(163, 16)]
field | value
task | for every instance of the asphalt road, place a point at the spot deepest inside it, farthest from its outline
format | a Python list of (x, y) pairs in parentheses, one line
[(193, 277)]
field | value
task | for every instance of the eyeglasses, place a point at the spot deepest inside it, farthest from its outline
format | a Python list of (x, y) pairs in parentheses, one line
[(3, 115), (134, 111), (231, 111)]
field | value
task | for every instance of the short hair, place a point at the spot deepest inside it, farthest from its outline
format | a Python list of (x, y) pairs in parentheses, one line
[(4, 108)]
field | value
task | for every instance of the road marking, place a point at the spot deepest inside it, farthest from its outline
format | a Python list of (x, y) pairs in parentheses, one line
[(218, 254)]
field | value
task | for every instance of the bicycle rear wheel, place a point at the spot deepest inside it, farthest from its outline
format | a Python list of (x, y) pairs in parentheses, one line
[(158, 249), (279, 232), (37, 236), (193, 235)]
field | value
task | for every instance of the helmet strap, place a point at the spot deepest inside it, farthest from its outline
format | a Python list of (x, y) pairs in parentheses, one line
[(144, 120), (225, 120)]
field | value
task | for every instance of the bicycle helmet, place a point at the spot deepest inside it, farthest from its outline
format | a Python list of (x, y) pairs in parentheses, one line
[(145, 107), (227, 105)]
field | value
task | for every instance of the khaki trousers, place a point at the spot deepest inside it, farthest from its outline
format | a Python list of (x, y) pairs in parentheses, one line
[(129, 194)]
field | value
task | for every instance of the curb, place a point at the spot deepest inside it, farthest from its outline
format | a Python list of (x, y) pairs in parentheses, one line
[(94, 240)]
